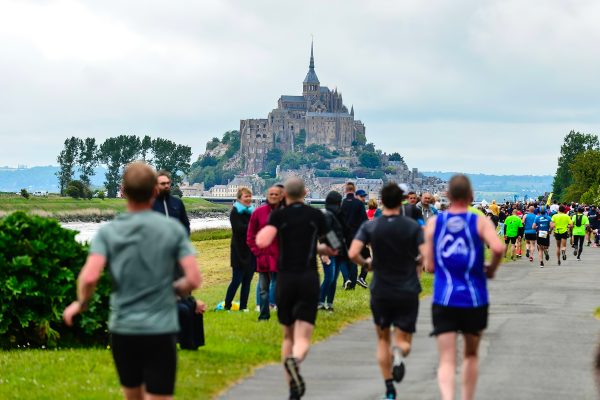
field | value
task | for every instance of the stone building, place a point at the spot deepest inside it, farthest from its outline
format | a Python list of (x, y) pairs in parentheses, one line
[(318, 116)]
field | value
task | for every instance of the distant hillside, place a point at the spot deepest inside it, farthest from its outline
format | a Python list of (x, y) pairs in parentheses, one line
[(500, 187), (37, 179)]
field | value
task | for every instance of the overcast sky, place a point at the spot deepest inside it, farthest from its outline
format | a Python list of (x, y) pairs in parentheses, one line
[(473, 86)]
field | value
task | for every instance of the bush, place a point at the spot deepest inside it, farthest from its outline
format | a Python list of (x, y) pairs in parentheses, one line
[(24, 193), (79, 190), (39, 264)]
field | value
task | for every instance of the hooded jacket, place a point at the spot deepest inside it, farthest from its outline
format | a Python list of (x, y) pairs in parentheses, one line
[(266, 259)]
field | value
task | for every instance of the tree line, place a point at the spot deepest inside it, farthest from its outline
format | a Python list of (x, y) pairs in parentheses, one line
[(114, 154), (577, 176)]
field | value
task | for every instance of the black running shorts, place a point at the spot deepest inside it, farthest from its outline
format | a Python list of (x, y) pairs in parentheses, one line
[(401, 312), (509, 239), (458, 319), (560, 236), (521, 232), (149, 360), (543, 241), (530, 236), (297, 297)]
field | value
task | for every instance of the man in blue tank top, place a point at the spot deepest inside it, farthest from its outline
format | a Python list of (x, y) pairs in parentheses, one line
[(454, 251), (542, 230), (530, 233)]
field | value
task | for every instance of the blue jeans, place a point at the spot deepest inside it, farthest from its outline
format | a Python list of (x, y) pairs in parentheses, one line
[(331, 272), (240, 276), (267, 282), (349, 273), (272, 287)]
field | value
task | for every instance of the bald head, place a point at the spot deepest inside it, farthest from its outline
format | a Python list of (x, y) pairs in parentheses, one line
[(294, 189)]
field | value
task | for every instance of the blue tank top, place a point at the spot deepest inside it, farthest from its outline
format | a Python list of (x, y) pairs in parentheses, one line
[(459, 255), (542, 223), (529, 220)]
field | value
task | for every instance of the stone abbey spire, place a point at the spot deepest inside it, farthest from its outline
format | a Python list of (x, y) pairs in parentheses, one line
[(311, 84)]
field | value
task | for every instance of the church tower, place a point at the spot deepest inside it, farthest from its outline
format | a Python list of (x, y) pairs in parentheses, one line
[(311, 85)]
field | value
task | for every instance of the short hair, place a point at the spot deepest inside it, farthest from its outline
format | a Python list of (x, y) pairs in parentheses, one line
[(164, 172), (411, 192), (241, 192), (350, 187), (561, 208), (459, 188), (372, 204), (139, 182), (391, 195), (294, 188)]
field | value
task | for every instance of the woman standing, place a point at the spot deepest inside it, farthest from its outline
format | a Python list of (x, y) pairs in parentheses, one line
[(242, 260)]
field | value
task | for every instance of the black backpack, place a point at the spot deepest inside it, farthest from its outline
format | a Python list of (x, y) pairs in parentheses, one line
[(578, 220), (335, 237)]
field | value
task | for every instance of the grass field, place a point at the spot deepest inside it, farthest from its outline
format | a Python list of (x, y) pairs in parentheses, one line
[(235, 344), (60, 207)]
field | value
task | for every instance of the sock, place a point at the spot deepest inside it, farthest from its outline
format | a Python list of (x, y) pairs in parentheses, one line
[(389, 388)]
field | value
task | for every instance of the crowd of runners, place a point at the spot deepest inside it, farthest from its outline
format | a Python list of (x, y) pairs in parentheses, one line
[(283, 241)]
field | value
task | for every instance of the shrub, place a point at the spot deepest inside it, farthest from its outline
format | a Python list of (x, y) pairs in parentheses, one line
[(79, 190), (24, 193), (39, 264)]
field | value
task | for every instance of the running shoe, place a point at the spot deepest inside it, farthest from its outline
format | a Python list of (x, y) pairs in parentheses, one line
[(559, 261), (389, 396), (321, 306), (574, 252), (564, 255), (347, 285), (362, 282), (547, 255), (398, 369), (527, 253), (578, 258), (530, 259), (296, 381), (541, 264)]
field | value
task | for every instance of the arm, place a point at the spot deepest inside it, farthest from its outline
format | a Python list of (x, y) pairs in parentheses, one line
[(184, 218), (488, 233), (191, 278), (427, 247), (354, 253), (420, 266), (266, 236), (86, 285)]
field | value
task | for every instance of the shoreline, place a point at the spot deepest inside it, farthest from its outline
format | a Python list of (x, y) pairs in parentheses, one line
[(97, 216)]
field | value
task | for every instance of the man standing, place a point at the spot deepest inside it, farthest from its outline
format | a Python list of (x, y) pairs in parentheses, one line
[(141, 249), (427, 209), (455, 242), (395, 241), (354, 212), (366, 253), (266, 259), (297, 227), (168, 205)]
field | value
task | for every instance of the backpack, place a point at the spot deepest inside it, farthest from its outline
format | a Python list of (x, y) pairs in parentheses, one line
[(578, 220), (335, 237)]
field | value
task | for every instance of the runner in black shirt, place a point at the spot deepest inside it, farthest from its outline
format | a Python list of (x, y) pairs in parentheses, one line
[(297, 227), (396, 242)]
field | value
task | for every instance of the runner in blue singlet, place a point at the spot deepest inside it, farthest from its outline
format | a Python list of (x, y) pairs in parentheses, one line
[(454, 251), (530, 233), (542, 229)]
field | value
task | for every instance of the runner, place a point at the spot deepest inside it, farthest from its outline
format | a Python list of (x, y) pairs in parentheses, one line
[(142, 250), (542, 228), (579, 224), (512, 224), (454, 251), (396, 242), (297, 227), (594, 224), (530, 233), (560, 225)]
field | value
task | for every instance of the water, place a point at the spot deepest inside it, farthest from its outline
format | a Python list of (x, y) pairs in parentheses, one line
[(87, 230)]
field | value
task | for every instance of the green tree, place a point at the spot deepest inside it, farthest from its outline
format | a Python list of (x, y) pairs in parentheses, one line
[(585, 173), (25, 194), (146, 146), (234, 144), (208, 161), (116, 153), (396, 157), (369, 159), (291, 160), (274, 155), (66, 162), (574, 143), (212, 144), (87, 159), (300, 139), (78, 190), (172, 157)]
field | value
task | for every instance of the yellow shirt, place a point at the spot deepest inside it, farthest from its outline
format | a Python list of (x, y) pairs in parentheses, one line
[(561, 222)]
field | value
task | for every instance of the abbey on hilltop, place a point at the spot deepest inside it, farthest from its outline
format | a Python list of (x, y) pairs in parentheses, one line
[(319, 116)]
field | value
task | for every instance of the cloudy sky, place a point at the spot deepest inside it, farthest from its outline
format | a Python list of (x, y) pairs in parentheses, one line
[(474, 86)]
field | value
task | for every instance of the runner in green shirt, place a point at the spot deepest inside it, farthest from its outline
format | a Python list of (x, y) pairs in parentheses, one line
[(512, 225), (560, 224), (579, 223)]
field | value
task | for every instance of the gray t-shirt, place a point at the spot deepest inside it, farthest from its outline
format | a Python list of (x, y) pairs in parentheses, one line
[(142, 250)]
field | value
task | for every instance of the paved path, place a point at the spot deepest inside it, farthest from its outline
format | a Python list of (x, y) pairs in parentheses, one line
[(540, 344)]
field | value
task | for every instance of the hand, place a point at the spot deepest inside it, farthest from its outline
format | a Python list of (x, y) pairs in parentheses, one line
[(368, 263), (325, 250), (71, 311), (489, 272), (200, 307), (325, 260)]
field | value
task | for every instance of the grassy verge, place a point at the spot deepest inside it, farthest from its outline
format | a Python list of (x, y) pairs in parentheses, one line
[(235, 344), (66, 207), (597, 313)]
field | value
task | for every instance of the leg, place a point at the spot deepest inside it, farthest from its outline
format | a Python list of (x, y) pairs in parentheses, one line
[(580, 249), (470, 367), (302, 334), (327, 280), (384, 354), (248, 274), (558, 246), (258, 292), (272, 288), (338, 262), (264, 281), (287, 343), (186, 317), (236, 280), (353, 269), (403, 340), (447, 365), (136, 393)]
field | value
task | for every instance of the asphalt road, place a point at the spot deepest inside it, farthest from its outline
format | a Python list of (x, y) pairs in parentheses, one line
[(540, 344)]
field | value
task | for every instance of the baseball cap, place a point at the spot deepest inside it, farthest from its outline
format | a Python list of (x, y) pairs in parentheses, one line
[(361, 193)]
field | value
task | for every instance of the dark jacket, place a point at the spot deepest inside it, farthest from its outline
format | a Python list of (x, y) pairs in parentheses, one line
[(354, 215), (241, 257), (174, 209), (335, 222)]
